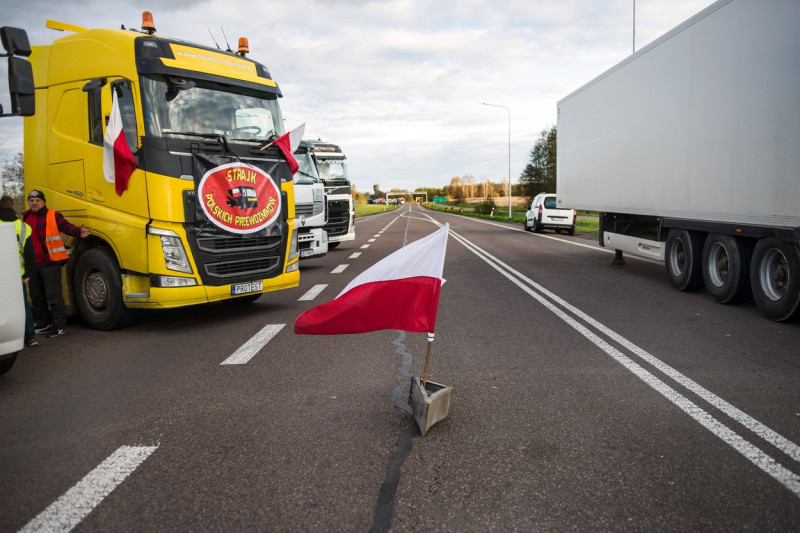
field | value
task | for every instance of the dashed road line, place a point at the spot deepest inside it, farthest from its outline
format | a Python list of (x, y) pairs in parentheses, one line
[(252, 346), (313, 292), (67, 511), (339, 269)]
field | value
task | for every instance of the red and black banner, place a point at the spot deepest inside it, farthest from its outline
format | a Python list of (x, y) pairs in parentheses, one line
[(238, 197)]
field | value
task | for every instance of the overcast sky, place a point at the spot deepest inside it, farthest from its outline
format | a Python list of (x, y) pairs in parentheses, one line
[(398, 83)]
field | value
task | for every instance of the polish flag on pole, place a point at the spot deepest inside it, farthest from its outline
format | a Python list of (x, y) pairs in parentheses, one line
[(118, 162), (288, 143), (400, 291)]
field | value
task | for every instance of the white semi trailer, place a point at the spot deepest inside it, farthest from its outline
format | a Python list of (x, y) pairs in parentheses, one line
[(690, 151)]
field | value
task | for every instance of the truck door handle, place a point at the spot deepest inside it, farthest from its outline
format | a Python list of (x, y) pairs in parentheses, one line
[(95, 195)]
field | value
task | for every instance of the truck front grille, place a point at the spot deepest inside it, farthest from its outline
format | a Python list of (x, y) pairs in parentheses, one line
[(248, 268), (223, 258), (303, 210), (338, 217)]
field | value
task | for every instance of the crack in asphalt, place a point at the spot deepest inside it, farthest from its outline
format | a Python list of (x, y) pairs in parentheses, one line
[(384, 509)]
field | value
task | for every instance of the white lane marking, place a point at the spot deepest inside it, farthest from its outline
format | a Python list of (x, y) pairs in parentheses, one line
[(313, 292), (364, 246), (66, 512), (377, 235), (354, 255), (782, 443), (339, 269), (252, 346), (755, 455), (371, 240)]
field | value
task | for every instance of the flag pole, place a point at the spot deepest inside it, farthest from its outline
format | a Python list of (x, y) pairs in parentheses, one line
[(427, 361), (267, 145)]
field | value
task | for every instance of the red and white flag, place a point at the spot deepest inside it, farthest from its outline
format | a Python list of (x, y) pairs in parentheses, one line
[(118, 162), (288, 143), (401, 291)]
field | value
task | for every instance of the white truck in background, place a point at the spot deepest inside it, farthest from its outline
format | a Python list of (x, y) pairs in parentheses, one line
[(332, 168), (309, 206), (689, 150)]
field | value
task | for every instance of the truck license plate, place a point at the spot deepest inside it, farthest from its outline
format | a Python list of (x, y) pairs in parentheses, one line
[(306, 253), (244, 288)]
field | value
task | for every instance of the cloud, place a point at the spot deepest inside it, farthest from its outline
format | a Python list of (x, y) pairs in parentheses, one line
[(398, 83)]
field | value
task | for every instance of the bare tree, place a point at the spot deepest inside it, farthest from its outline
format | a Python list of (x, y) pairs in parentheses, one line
[(469, 183), (13, 171)]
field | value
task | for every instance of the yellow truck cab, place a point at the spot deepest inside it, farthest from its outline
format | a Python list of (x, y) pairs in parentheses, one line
[(208, 212)]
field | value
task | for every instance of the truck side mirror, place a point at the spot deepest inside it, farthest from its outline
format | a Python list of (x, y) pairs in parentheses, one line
[(15, 41), (20, 72), (20, 85)]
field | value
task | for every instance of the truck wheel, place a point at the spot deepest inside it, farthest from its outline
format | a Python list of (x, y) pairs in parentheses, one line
[(726, 268), (98, 290), (684, 259), (775, 278)]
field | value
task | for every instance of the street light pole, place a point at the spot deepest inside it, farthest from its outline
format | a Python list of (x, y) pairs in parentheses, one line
[(509, 152), (634, 26)]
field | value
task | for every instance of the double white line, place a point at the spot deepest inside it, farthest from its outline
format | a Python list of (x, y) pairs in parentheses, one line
[(561, 309)]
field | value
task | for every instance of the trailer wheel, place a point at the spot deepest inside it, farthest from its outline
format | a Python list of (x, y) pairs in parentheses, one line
[(775, 278), (726, 268), (684, 259), (98, 290)]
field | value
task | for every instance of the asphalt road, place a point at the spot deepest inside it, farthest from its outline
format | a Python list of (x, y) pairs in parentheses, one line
[(586, 397)]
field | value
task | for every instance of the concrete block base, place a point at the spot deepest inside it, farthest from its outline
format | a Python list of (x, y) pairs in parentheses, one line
[(429, 405)]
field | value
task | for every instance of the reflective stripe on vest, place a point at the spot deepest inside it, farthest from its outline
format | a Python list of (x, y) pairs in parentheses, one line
[(55, 246)]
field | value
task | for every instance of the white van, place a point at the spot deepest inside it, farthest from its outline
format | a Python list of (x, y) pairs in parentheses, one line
[(544, 214), (12, 312)]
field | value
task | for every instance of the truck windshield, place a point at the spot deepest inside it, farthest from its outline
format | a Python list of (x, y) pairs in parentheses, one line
[(307, 173), (333, 171), (180, 106)]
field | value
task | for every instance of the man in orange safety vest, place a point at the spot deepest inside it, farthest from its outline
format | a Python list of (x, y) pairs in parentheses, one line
[(50, 254)]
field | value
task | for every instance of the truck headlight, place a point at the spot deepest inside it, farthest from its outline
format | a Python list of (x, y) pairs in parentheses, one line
[(174, 255), (293, 253)]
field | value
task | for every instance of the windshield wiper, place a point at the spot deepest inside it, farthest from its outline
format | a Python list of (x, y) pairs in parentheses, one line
[(217, 136)]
